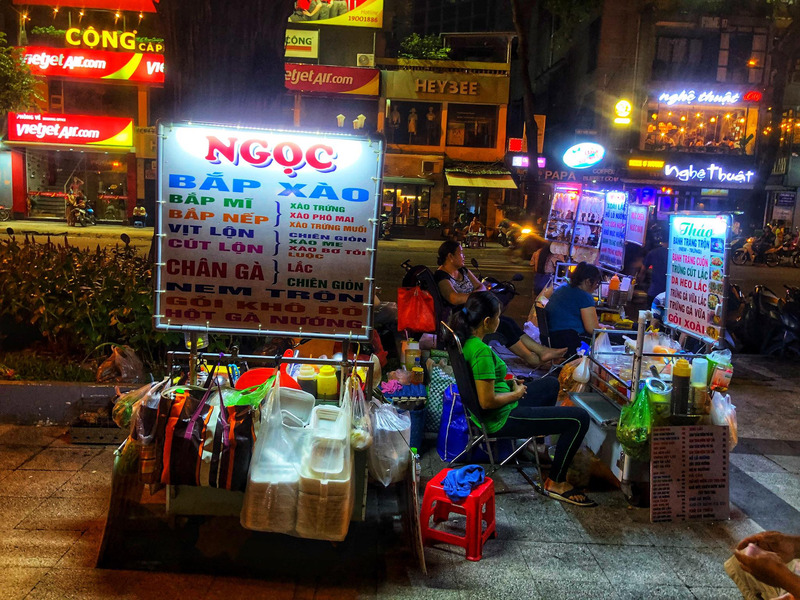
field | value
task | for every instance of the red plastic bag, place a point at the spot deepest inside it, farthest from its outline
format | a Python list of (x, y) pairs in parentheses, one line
[(415, 310)]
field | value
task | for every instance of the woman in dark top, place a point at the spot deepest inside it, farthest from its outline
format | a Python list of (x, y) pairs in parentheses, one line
[(456, 283), (513, 408), (571, 311)]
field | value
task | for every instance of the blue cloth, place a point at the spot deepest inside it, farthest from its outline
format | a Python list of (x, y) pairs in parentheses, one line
[(564, 308), (458, 483)]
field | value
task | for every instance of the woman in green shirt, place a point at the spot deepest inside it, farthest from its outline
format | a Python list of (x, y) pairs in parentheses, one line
[(517, 409)]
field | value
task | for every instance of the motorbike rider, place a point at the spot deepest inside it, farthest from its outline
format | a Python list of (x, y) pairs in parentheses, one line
[(765, 241), (456, 283)]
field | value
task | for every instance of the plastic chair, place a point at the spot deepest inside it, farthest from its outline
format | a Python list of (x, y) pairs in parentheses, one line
[(477, 432), (478, 507)]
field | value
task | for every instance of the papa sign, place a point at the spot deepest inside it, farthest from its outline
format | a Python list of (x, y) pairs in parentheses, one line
[(584, 155)]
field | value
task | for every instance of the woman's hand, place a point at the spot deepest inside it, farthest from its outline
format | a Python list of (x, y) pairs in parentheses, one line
[(768, 568), (785, 546)]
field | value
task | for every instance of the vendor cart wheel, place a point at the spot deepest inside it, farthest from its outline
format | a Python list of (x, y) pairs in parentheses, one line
[(637, 493)]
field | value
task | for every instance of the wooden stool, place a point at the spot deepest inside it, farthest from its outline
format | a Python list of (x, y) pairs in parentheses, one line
[(478, 507)]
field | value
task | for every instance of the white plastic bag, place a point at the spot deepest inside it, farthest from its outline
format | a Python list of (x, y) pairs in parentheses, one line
[(388, 457), (723, 412), (361, 427)]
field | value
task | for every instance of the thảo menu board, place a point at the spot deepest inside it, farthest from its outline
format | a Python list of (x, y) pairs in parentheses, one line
[(266, 231), (612, 246), (689, 478), (696, 275)]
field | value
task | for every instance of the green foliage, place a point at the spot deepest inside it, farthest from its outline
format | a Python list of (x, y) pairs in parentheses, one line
[(428, 47), (17, 84), (78, 300), (35, 366)]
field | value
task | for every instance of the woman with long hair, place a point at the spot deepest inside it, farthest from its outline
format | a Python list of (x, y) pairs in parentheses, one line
[(456, 282), (571, 312), (517, 409)]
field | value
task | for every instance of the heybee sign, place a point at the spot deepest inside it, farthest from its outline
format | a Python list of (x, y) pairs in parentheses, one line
[(266, 231), (94, 64), (70, 130)]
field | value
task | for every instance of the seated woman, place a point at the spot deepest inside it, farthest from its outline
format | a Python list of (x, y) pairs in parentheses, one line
[(456, 283), (571, 311), (515, 409)]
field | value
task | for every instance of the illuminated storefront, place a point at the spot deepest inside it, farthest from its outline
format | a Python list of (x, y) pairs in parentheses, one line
[(701, 119), (445, 133)]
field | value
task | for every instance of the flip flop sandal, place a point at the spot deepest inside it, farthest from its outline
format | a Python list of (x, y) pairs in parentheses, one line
[(571, 497)]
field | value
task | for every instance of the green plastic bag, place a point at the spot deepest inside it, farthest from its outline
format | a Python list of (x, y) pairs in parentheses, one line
[(633, 429), (251, 396)]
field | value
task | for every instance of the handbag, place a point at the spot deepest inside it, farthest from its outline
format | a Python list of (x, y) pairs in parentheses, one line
[(207, 444), (415, 310)]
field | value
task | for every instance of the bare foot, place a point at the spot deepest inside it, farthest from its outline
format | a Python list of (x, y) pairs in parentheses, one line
[(552, 354)]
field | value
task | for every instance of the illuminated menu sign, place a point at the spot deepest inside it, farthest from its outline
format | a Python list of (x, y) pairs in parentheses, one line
[(612, 246), (70, 130), (637, 224), (266, 231), (696, 275), (77, 63)]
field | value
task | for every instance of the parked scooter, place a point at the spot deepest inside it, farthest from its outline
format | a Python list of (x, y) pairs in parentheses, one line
[(762, 324), (385, 227), (5, 213), (82, 215)]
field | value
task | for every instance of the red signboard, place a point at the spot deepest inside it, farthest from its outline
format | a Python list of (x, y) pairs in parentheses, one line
[(132, 5), (79, 63), (332, 80), (70, 130)]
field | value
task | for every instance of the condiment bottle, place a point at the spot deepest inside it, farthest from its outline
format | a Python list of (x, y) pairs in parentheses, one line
[(698, 388), (307, 378), (613, 291), (412, 352), (681, 375), (327, 383)]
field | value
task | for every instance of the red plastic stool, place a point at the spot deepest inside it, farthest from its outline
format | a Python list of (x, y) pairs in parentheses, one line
[(478, 507)]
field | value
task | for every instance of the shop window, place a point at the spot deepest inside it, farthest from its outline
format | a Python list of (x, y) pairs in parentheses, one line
[(686, 58), (337, 114), (413, 123), (472, 125), (726, 130), (100, 178), (406, 204)]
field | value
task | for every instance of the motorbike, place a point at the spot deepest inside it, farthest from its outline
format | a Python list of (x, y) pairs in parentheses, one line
[(503, 290), (83, 215), (5, 213), (762, 325), (747, 254), (385, 228), (789, 250)]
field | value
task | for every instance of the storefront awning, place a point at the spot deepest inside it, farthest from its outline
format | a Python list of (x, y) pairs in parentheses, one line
[(481, 181), (408, 181)]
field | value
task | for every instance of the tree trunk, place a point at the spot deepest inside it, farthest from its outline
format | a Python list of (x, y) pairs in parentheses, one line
[(224, 61), (522, 12)]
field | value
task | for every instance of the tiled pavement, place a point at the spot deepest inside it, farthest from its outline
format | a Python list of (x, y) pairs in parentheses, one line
[(54, 498)]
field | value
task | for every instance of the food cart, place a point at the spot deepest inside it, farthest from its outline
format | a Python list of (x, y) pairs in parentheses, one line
[(262, 232), (694, 315)]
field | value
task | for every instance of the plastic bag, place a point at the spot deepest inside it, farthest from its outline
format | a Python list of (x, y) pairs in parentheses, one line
[(123, 366), (723, 412), (361, 423), (388, 457), (633, 429), (602, 345), (122, 413), (143, 431), (434, 407), (454, 429)]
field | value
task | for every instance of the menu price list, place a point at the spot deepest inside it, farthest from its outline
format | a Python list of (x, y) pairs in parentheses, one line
[(689, 476)]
